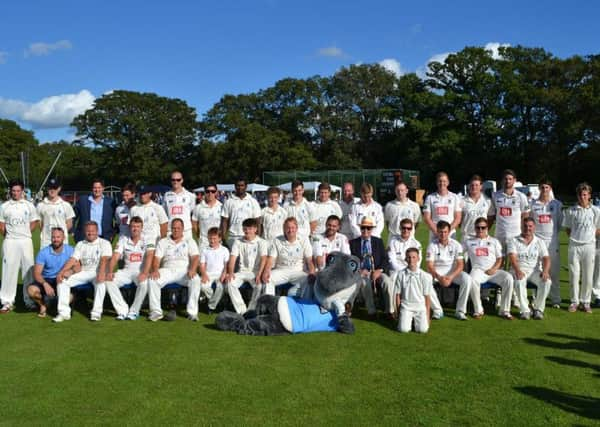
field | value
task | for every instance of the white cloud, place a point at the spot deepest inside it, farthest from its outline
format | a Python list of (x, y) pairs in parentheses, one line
[(438, 57), (3, 56), (51, 112), (493, 48), (393, 66), (44, 49), (331, 51)]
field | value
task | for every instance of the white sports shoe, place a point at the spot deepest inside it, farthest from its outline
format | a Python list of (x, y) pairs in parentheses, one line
[(60, 318), (94, 317), (460, 315), (121, 317)]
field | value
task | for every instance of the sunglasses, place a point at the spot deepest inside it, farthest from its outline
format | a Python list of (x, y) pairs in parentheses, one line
[(407, 228), (211, 191), (480, 227), (176, 179), (366, 228)]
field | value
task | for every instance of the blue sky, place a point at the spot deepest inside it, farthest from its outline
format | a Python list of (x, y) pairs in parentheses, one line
[(56, 57)]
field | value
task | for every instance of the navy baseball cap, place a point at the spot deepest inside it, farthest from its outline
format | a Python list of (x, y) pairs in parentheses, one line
[(53, 183), (144, 189)]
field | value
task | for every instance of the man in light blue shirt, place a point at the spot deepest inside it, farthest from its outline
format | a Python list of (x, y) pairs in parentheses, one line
[(48, 263)]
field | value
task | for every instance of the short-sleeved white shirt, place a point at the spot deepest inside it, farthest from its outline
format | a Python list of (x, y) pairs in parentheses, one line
[(122, 218), (361, 210), (529, 255), (272, 222), (17, 215), (290, 255), (89, 254), (548, 218), (176, 255), (413, 288), (323, 246), (442, 208), (397, 251), (53, 214), (133, 253), (180, 205), (508, 210), (215, 259), (249, 253), (444, 257), (324, 210), (237, 210), (207, 217), (583, 223), (483, 253), (304, 212), (153, 216), (395, 211), (471, 211)]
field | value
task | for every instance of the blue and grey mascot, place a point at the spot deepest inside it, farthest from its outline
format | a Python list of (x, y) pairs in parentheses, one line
[(325, 311)]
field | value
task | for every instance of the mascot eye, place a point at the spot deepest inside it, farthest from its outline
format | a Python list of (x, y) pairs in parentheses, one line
[(330, 259), (353, 265)]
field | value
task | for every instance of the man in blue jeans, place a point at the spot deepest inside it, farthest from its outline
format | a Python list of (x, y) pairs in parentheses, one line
[(48, 263)]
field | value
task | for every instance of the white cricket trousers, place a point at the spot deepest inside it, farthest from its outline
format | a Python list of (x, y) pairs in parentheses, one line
[(171, 275), (281, 276), (233, 289), (120, 279), (16, 253), (596, 286), (543, 288), (581, 265), (406, 319), (214, 296), (554, 253), (63, 291), (463, 280), (501, 278)]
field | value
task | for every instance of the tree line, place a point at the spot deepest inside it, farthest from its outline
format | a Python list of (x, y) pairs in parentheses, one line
[(475, 112)]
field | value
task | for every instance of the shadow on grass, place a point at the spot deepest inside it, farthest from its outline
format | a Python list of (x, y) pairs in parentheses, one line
[(587, 345), (575, 363), (583, 406)]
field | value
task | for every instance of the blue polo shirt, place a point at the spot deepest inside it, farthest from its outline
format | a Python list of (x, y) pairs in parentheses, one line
[(52, 261)]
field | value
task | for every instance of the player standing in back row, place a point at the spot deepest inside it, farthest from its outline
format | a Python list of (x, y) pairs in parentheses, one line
[(179, 203)]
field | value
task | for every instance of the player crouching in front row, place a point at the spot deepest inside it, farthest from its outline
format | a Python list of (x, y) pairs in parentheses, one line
[(413, 290)]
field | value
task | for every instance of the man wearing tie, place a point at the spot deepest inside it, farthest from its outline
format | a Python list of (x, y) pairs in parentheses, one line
[(374, 261)]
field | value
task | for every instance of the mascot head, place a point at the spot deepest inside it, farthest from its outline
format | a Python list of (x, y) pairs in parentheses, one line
[(341, 271)]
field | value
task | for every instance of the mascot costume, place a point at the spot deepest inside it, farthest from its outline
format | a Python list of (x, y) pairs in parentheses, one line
[(336, 285)]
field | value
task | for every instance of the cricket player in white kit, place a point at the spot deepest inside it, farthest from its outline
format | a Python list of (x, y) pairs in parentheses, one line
[(153, 216), (213, 268), (236, 209), (398, 246), (547, 214), (137, 255), (475, 205), (252, 252), (325, 207), (123, 210), (285, 263), (272, 216), (206, 215), (443, 205), (302, 210), (367, 208), (346, 203), (526, 253), (330, 241), (175, 261), (485, 254), (179, 203), (93, 254), (401, 208), (54, 212), (413, 289), (509, 206), (582, 223), (18, 218), (445, 263)]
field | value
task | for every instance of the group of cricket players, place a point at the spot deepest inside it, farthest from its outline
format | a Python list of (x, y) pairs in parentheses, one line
[(281, 247)]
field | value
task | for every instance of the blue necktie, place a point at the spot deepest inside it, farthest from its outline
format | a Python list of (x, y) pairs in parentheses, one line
[(366, 254)]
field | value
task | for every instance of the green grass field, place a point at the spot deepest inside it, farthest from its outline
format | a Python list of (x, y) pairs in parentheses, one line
[(488, 372)]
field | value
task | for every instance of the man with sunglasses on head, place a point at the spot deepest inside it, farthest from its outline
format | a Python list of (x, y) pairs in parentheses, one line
[(206, 215), (179, 203), (236, 209)]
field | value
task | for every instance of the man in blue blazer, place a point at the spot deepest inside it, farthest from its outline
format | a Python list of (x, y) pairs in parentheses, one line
[(373, 262), (95, 207)]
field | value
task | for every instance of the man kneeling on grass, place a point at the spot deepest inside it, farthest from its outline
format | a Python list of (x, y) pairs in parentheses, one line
[(413, 290), (48, 263)]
